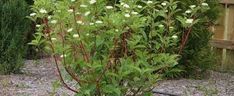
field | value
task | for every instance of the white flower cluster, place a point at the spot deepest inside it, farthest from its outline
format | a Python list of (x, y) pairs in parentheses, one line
[(188, 11), (33, 14), (87, 13), (128, 14), (92, 1), (161, 26), (53, 39), (83, 6), (63, 56), (91, 24), (134, 13), (98, 22), (164, 4), (43, 11), (49, 17), (139, 6), (192, 6), (76, 35), (38, 25), (70, 30), (53, 21), (174, 36), (149, 2), (70, 10), (80, 22), (109, 7), (189, 21), (205, 4), (124, 5)]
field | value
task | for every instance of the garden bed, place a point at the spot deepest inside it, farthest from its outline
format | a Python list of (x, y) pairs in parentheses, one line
[(38, 78)]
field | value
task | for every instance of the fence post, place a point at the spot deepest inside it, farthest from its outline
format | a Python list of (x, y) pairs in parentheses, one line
[(225, 36)]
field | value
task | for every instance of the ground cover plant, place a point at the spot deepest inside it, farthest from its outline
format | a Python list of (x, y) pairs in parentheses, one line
[(119, 48)]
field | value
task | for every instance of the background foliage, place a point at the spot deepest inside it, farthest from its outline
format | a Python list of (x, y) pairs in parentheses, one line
[(14, 27), (198, 56)]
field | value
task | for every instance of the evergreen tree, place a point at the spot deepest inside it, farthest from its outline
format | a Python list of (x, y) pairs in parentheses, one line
[(14, 27)]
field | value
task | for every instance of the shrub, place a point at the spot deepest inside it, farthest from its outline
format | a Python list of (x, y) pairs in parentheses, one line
[(14, 27), (197, 55), (119, 48), (193, 47)]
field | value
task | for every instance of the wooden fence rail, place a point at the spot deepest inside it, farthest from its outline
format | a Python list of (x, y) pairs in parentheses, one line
[(227, 1), (223, 44)]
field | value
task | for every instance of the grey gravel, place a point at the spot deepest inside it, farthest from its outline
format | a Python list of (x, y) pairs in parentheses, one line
[(217, 84), (38, 78)]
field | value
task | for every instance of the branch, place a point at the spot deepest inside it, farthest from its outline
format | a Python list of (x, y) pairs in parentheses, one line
[(74, 75), (60, 76), (184, 39), (106, 67), (85, 54), (45, 21)]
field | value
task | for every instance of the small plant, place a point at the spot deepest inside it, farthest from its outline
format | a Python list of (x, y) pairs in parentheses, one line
[(5, 82), (208, 91), (56, 85), (115, 49)]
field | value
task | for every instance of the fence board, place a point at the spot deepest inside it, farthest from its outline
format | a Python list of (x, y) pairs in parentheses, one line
[(231, 23), (227, 1), (224, 44)]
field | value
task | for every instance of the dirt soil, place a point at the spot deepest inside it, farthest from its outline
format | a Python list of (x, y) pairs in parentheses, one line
[(40, 76)]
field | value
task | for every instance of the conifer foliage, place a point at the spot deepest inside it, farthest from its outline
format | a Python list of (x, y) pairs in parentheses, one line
[(13, 29)]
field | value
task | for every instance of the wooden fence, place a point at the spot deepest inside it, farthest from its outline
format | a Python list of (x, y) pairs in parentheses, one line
[(223, 39)]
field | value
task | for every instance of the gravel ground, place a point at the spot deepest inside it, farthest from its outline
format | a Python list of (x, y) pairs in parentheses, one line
[(217, 84), (39, 77)]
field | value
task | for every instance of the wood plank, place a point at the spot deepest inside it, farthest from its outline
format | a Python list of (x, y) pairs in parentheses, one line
[(220, 25), (231, 23), (225, 44), (227, 1), (229, 63)]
